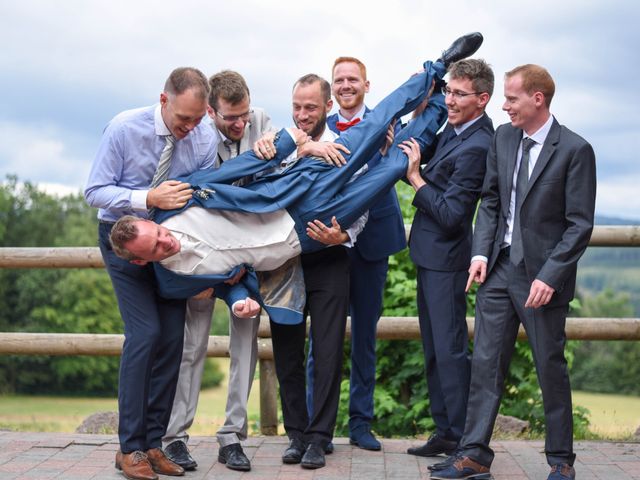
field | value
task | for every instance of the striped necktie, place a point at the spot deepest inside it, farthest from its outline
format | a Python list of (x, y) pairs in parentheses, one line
[(162, 172)]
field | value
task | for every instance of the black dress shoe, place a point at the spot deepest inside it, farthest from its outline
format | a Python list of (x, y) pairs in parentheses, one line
[(329, 448), (435, 446), (462, 47), (293, 453), (178, 453), (313, 457), (234, 458), (446, 463)]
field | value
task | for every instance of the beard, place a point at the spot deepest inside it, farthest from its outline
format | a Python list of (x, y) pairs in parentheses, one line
[(317, 128)]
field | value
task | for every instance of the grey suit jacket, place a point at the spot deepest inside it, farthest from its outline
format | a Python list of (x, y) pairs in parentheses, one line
[(556, 216), (259, 124)]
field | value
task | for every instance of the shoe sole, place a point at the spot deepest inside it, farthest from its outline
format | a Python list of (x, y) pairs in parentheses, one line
[(189, 467), (119, 467), (356, 444), (475, 476), (239, 468), (312, 466)]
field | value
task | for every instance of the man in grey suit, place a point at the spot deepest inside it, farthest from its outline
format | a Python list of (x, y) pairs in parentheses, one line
[(534, 223), (238, 127)]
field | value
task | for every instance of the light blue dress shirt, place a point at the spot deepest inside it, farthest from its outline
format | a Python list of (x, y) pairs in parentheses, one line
[(128, 156)]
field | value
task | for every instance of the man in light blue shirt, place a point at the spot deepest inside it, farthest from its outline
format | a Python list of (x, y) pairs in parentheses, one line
[(126, 179)]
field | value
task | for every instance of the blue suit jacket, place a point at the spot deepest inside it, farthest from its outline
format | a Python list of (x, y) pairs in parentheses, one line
[(384, 234), (441, 232)]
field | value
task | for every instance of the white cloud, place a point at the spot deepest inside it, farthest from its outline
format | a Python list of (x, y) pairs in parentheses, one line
[(97, 58), (38, 154), (618, 197)]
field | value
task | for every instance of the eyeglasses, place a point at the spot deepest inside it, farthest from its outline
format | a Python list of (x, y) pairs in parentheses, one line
[(457, 94), (234, 118)]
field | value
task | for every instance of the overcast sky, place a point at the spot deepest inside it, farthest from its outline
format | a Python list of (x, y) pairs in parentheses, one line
[(68, 67)]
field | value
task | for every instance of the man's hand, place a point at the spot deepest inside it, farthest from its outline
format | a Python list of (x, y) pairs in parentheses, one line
[(330, 152), (265, 148), (477, 273), (328, 235), (391, 135), (539, 295), (169, 195), (203, 295), (247, 309), (412, 149), (236, 278)]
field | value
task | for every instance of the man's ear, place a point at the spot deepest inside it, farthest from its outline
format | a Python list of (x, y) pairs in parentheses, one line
[(140, 263)]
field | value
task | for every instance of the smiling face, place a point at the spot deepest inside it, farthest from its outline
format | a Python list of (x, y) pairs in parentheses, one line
[(466, 108), (153, 243), (349, 87), (526, 111), (309, 109), (182, 112), (231, 119)]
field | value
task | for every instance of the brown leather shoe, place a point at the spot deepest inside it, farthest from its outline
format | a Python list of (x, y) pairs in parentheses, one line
[(161, 464), (135, 466)]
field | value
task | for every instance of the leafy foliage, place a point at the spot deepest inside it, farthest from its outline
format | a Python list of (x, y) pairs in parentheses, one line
[(57, 300)]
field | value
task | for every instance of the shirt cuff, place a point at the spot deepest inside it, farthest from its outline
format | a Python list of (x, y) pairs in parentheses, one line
[(139, 200), (481, 258)]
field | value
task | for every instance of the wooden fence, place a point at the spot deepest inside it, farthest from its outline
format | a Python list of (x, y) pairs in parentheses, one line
[(389, 328)]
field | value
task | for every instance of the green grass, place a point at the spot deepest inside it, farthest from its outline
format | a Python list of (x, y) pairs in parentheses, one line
[(65, 414), (614, 417)]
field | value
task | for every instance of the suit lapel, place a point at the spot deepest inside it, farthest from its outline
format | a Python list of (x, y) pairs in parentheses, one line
[(513, 142), (548, 148), (444, 149)]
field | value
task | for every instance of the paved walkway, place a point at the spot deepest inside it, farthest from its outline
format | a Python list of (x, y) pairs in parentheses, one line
[(36, 456)]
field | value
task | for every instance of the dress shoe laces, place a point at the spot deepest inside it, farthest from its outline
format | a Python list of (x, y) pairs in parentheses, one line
[(138, 456)]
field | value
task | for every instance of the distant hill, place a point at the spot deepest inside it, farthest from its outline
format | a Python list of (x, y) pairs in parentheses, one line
[(616, 268), (604, 220)]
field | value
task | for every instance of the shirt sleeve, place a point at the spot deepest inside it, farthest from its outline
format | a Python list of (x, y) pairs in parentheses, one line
[(103, 189)]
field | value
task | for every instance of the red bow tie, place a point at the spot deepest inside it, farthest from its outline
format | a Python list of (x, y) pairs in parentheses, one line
[(342, 126)]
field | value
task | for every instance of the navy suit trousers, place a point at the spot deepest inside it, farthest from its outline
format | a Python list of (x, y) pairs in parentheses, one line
[(150, 361)]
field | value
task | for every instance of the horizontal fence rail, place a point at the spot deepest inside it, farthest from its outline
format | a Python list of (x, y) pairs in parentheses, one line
[(389, 328), (89, 257)]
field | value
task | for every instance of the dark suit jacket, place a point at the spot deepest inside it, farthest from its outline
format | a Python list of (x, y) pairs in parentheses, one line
[(441, 231), (556, 216), (383, 235)]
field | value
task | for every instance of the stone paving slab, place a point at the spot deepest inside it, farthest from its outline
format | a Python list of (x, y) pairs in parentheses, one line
[(39, 456)]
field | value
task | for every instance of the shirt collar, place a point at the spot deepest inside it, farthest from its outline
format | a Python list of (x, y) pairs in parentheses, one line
[(461, 128), (160, 126), (328, 135), (541, 135), (359, 114)]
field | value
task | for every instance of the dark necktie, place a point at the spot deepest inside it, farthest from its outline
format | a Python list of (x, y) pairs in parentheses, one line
[(448, 136), (342, 126), (517, 250)]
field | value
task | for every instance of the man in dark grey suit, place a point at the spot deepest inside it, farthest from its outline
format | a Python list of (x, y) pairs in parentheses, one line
[(533, 225)]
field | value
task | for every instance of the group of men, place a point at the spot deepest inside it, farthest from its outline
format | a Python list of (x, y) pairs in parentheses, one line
[(532, 226)]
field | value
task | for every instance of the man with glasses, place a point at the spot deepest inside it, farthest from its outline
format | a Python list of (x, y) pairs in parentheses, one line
[(447, 191), (237, 126)]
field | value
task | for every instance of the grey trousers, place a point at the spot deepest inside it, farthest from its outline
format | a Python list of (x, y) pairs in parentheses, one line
[(243, 351)]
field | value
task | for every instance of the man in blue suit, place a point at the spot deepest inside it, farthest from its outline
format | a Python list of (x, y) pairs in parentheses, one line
[(382, 236), (447, 191)]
